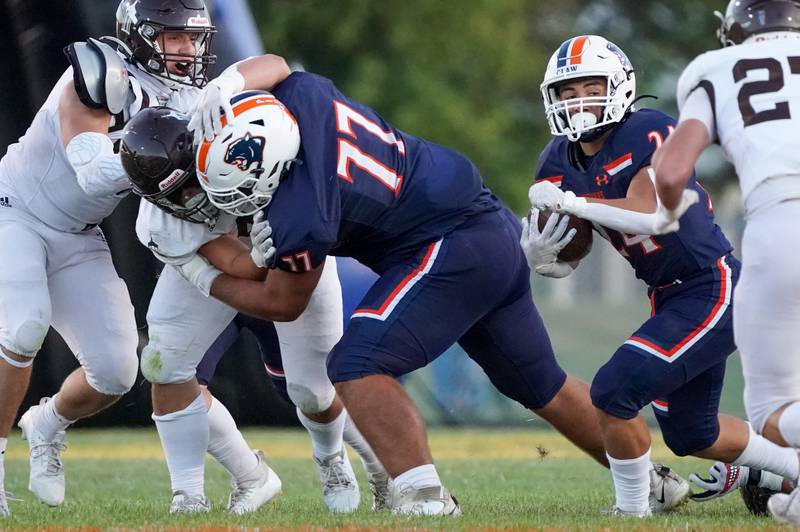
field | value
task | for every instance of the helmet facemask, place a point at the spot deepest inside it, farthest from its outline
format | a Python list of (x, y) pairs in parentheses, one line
[(194, 70), (252, 194), (196, 208)]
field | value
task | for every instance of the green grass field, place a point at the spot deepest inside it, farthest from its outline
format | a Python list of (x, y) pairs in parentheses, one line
[(510, 479)]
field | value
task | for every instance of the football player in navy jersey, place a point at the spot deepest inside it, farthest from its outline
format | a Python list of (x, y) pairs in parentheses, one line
[(598, 168), (336, 179)]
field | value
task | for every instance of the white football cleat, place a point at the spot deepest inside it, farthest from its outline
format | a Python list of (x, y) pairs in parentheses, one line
[(47, 471), (785, 508), (618, 512), (251, 495), (188, 504), (667, 489), (433, 500), (380, 487), (339, 485)]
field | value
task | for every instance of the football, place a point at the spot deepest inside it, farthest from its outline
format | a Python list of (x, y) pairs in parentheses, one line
[(580, 245)]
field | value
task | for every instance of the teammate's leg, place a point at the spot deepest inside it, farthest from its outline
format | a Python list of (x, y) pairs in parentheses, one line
[(24, 321)]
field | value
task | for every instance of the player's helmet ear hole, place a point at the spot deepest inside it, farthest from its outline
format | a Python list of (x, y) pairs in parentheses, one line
[(258, 122)]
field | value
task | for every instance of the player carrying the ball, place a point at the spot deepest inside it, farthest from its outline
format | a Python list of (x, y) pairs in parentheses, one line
[(598, 169)]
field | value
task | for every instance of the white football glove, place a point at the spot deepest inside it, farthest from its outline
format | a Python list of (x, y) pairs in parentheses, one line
[(260, 234), (214, 100), (541, 248), (666, 221), (198, 272), (544, 195)]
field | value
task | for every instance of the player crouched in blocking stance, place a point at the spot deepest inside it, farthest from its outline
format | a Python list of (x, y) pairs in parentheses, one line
[(418, 214), (176, 222), (746, 98), (598, 168)]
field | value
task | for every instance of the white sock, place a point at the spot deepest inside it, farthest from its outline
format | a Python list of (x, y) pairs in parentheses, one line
[(227, 445), (48, 421), (3, 444), (789, 424), (355, 440), (184, 437), (631, 482), (326, 438), (419, 477), (760, 453)]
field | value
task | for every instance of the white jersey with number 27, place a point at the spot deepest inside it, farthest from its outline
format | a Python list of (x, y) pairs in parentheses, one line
[(754, 93)]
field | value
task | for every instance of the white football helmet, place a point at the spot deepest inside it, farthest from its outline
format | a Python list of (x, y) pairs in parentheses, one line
[(242, 166), (587, 56)]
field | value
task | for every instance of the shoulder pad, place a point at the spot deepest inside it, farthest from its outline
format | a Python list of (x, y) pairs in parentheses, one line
[(691, 77), (100, 75)]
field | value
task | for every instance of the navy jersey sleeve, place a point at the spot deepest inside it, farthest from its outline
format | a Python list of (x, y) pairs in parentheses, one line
[(304, 225), (304, 213)]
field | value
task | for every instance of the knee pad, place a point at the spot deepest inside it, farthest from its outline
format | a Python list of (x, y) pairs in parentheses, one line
[(685, 439), (166, 365), (612, 399), (28, 337), (116, 376), (311, 401)]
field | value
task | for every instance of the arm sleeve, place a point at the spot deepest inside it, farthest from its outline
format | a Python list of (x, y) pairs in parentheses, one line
[(698, 107)]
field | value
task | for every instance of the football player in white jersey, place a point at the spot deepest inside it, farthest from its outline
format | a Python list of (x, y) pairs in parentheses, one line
[(176, 222), (746, 98), (62, 179)]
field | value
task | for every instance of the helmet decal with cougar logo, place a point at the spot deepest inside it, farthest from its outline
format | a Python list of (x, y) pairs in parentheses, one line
[(140, 23), (157, 153), (744, 19), (246, 151)]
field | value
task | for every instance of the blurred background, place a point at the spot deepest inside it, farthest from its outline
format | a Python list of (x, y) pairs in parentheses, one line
[(463, 73)]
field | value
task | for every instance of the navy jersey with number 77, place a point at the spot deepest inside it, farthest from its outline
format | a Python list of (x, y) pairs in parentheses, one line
[(657, 260), (362, 188)]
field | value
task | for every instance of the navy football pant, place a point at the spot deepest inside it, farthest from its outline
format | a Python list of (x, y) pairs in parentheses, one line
[(676, 360), (470, 287), (268, 347)]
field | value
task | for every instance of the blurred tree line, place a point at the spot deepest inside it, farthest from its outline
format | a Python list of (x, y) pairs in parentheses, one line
[(466, 73)]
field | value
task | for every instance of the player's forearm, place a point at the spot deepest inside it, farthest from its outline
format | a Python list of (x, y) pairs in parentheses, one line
[(231, 256), (616, 218), (263, 72), (673, 162), (256, 298), (672, 175)]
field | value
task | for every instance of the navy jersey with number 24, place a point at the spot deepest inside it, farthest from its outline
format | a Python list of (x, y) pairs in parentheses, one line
[(657, 260), (362, 188)]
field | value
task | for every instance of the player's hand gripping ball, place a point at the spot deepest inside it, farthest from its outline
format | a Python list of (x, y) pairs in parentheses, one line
[(581, 243)]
